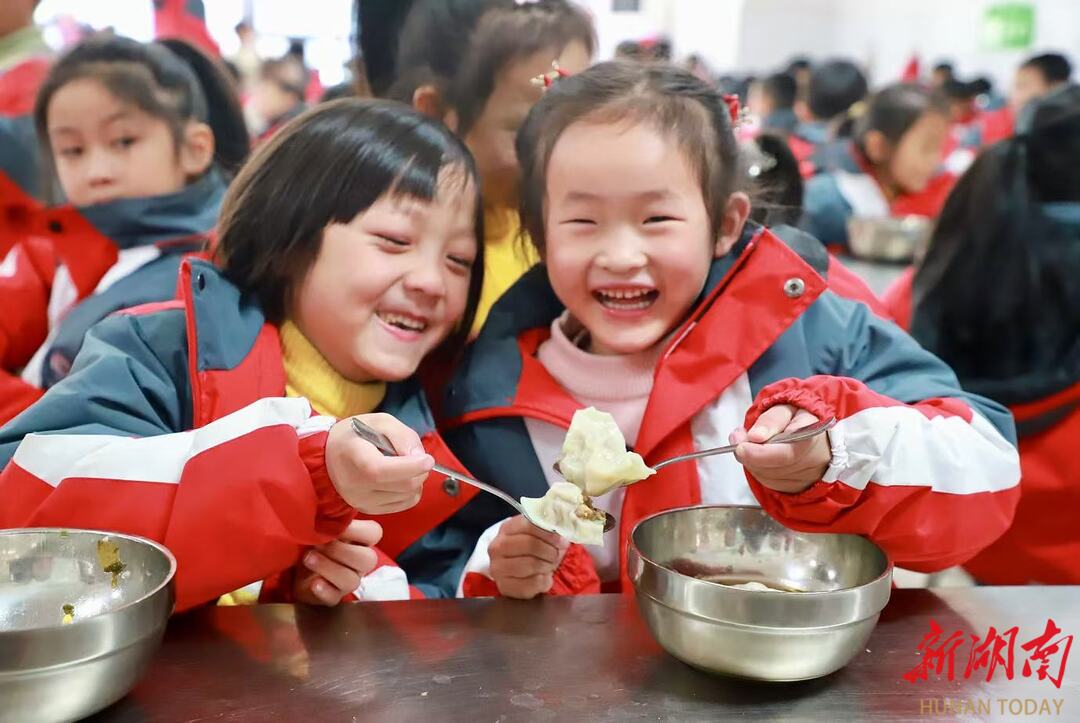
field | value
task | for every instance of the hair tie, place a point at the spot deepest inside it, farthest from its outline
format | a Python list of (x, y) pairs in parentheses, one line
[(545, 80), (734, 110)]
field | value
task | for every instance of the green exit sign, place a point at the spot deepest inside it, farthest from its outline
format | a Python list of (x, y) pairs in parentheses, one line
[(1008, 26)]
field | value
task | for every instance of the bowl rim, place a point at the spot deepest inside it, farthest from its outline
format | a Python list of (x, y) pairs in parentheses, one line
[(168, 578), (632, 544)]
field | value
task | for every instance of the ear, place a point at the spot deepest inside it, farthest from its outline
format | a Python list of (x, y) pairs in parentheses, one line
[(876, 146), (736, 212), (428, 101), (197, 150)]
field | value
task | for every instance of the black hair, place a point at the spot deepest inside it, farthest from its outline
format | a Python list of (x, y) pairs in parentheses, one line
[(377, 31), (326, 166), (982, 85), (996, 296), (774, 177), (460, 46), (835, 86), (893, 110), (959, 90), (225, 115), (672, 100), (630, 50), (171, 80), (782, 88), (1054, 67), (944, 67), (799, 62)]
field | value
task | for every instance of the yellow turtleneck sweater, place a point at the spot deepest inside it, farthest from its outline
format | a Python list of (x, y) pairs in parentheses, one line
[(507, 255), (309, 375)]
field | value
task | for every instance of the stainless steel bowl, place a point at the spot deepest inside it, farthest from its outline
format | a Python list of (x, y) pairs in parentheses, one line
[(896, 240), (55, 669), (831, 589)]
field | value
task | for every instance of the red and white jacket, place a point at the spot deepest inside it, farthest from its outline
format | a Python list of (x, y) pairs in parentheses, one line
[(920, 467), (173, 425)]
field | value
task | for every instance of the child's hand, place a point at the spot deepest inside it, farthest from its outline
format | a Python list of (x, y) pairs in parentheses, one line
[(524, 558), (784, 467), (367, 480), (334, 570)]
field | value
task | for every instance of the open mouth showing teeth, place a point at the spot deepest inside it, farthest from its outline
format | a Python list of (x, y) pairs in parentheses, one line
[(408, 323), (626, 299)]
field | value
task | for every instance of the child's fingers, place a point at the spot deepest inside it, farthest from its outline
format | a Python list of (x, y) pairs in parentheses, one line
[(360, 558), (363, 532), (518, 525), (520, 545), (771, 422), (766, 456), (801, 419), (519, 567), (387, 473), (737, 436), (525, 588), (338, 575), (314, 590)]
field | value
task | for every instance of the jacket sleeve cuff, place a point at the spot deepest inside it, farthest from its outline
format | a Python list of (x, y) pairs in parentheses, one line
[(576, 574), (333, 513)]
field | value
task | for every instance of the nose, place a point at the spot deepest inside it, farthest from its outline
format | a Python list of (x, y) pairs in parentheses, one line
[(99, 169), (623, 252), (427, 277)]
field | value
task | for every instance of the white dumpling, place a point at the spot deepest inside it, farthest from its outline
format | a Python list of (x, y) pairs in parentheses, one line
[(594, 455), (562, 509)]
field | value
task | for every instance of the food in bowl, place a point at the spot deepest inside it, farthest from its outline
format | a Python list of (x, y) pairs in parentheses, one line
[(567, 510), (594, 455)]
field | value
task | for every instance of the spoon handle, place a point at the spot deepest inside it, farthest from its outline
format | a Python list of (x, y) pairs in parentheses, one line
[(783, 437), (381, 443)]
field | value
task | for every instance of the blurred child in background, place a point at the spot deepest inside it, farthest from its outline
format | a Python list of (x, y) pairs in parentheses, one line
[(890, 168), (141, 140)]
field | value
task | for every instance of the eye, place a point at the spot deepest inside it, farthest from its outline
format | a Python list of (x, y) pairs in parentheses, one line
[(660, 219), (461, 263), (124, 142), (580, 221), (392, 241), (70, 152)]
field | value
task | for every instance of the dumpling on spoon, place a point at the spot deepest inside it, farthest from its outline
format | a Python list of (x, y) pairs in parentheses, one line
[(594, 455), (568, 512)]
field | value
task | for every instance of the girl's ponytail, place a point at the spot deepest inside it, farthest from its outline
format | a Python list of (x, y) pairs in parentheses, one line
[(223, 112)]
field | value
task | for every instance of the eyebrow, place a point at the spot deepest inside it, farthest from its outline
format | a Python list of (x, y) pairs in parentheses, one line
[(651, 195), (118, 115)]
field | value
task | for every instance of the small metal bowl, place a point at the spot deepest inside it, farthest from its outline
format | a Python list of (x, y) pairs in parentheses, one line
[(81, 613), (896, 240), (828, 592)]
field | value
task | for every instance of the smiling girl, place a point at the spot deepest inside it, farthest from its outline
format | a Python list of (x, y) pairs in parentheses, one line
[(659, 304), (346, 257)]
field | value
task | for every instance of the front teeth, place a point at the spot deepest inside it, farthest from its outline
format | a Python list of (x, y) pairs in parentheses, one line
[(633, 294), (403, 322), (630, 300)]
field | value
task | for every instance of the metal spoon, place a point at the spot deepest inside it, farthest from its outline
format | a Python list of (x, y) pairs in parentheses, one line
[(383, 444), (796, 435)]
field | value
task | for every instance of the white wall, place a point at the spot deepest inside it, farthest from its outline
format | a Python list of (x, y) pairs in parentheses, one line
[(760, 35)]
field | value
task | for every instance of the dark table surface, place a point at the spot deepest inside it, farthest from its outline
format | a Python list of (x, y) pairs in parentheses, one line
[(587, 658)]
